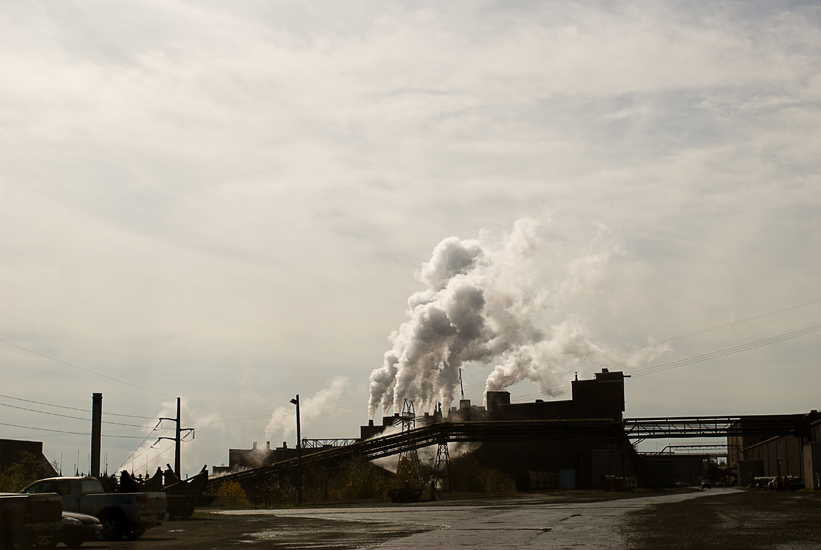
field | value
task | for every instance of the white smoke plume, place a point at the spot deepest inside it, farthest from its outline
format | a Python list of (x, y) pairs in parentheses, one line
[(284, 418), (480, 304)]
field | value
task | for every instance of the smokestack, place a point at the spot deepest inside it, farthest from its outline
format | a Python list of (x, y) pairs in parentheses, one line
[(267, 445), (96, 431), (255, 445)]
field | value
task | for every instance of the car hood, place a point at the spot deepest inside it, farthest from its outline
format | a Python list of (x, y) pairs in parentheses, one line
[(85, 518)]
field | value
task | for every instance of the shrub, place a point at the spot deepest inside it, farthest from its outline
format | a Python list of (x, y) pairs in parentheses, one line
[(26, 470), (359, 479), (471, 477), (232, 494)]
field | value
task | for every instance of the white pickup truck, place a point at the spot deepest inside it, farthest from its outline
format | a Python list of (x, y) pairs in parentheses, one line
[(128, 514)]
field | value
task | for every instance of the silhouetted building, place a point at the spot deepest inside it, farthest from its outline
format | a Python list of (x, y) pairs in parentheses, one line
[(10, 450), (244, 459), (581, 462)]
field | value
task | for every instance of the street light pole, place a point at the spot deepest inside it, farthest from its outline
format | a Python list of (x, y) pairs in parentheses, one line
[(298, 451)]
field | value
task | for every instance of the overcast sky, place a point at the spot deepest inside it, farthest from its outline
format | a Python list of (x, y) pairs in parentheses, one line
[(229, 202)]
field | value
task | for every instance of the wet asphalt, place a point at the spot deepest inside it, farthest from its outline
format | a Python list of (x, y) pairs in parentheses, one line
[(717, 518)]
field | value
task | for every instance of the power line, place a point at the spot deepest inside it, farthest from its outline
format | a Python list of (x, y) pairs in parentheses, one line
[(46, 404), (141, 443), (696, 358), (86, 370), (142, 453), (630, 349), (67, 416), (727, 351), (66, 432), (73, 408)]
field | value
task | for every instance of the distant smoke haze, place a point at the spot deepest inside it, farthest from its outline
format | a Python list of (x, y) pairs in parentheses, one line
[(284, 418), (480, 305)]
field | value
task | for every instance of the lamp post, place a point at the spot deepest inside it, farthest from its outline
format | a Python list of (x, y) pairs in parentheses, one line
[(295, 401)]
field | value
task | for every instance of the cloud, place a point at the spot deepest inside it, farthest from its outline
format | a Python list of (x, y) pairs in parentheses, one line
[(195, 190)]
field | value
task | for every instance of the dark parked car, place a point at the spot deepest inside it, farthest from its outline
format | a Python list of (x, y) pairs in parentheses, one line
[(706, 484), (77, 529)]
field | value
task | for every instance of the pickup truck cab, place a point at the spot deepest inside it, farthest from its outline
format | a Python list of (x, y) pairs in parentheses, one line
[(128, 514)]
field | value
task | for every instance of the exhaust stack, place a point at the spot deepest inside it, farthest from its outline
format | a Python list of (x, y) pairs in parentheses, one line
[(96, 431)]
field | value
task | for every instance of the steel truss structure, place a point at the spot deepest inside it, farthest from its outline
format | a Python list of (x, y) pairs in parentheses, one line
[(706, 426), (433, 434), (324, 443)]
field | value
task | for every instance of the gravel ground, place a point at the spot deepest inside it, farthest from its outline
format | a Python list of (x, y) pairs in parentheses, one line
[(738, 520)]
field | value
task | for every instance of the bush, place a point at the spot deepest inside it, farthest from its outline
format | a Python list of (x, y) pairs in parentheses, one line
[(232, 494), (471, 477), (26, 470), (359, 479), (355, 479)]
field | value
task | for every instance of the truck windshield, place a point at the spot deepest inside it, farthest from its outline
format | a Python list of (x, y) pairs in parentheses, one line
[(92, 486)]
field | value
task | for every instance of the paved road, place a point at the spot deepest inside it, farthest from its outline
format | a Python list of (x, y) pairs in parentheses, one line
[(533, 521)]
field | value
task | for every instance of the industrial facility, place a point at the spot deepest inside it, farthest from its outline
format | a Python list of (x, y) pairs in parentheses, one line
[(584, 442)]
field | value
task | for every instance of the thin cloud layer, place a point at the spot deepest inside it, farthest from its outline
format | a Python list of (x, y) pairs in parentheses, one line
[(228, 202)]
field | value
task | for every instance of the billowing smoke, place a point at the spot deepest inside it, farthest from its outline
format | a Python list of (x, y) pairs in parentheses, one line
[(480, 305), (284, 418)]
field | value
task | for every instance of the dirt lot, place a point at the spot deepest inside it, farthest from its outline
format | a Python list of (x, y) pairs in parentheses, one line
[(743, 520)]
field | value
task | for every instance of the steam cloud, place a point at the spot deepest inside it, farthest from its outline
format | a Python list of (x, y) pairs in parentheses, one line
[(481, 299), (283, 418)]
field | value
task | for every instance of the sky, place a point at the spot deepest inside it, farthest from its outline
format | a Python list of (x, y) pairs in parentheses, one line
[(232, 203)]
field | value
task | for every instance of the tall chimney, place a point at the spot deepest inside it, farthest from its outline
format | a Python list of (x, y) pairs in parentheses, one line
[(96, 430)]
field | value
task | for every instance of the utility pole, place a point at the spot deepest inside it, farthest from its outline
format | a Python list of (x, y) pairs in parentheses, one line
[(295, 401), (177, 438)]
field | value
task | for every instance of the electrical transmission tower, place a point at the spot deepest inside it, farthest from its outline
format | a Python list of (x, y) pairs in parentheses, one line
[(441, 466), (408, 453)]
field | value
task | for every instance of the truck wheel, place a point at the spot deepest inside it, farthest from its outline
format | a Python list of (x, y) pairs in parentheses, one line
[(187, 512), (131, 535), (113, 526)]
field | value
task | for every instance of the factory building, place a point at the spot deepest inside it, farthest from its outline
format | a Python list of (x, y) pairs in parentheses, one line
[(10, 450), (793, 451), (245, 459), (759, 446), (583, 462)]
